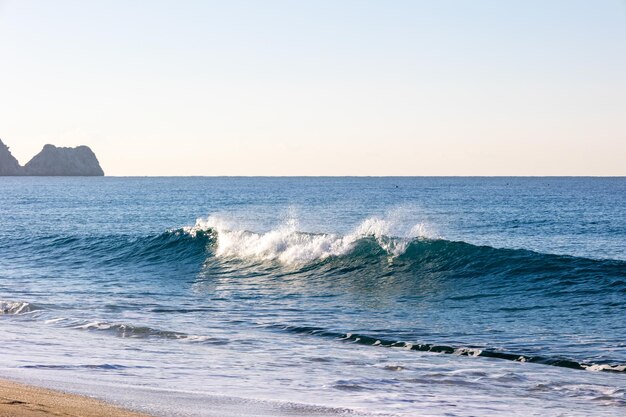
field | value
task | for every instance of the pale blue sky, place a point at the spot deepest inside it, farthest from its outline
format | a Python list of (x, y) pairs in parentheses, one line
[(319, 88)]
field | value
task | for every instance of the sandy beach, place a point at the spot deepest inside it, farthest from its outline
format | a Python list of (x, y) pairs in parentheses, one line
[(18, 400)]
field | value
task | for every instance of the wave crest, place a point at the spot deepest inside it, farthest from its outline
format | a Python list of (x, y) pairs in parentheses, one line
[(16, 307), (287, 245)]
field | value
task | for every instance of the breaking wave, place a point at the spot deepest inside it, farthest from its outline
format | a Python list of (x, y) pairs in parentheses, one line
[(376, 243), (287, 245), (16, 307)]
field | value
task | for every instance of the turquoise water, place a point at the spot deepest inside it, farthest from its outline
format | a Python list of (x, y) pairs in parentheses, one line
[(317, 296)]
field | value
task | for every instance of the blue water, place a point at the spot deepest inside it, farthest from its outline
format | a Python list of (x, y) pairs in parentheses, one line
[(319, 296)]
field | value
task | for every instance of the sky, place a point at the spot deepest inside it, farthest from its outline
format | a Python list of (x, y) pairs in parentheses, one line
[(340, 87)]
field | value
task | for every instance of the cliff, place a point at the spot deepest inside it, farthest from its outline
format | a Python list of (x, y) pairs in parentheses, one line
[(8, 163), (53, 161)]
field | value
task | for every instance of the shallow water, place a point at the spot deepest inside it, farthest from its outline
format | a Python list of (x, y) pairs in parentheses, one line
[(315, 296)]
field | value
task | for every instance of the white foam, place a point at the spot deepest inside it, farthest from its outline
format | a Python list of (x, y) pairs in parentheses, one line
[(15, 307), (597, 368), (193, 338), (468, 352), (57, 320), (94, 325), (287, 245)]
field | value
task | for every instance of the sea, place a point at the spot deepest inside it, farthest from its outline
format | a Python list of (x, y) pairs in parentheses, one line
[(302, 296)]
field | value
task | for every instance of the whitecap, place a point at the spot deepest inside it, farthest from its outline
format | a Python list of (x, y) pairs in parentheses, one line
[(287, 245)]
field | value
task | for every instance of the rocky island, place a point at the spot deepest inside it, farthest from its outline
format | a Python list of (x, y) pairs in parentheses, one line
[(52, 161), (8, 163)]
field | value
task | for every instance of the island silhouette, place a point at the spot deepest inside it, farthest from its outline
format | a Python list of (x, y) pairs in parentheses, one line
[(52, 161)]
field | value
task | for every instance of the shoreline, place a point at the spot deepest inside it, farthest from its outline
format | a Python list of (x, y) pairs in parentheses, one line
[(23, 400)]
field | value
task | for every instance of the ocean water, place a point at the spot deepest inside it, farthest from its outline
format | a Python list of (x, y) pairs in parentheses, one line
[(319, 296)]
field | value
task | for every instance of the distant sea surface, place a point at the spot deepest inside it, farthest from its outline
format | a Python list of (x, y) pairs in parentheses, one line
[(319, 296)]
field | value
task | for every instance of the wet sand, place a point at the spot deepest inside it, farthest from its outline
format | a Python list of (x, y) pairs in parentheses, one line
[(18, 400)]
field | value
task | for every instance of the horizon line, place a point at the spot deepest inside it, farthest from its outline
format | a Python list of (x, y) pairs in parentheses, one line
[(315, 176)]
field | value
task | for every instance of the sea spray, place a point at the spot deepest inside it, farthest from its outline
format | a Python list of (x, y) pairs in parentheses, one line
[(287, 245)]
